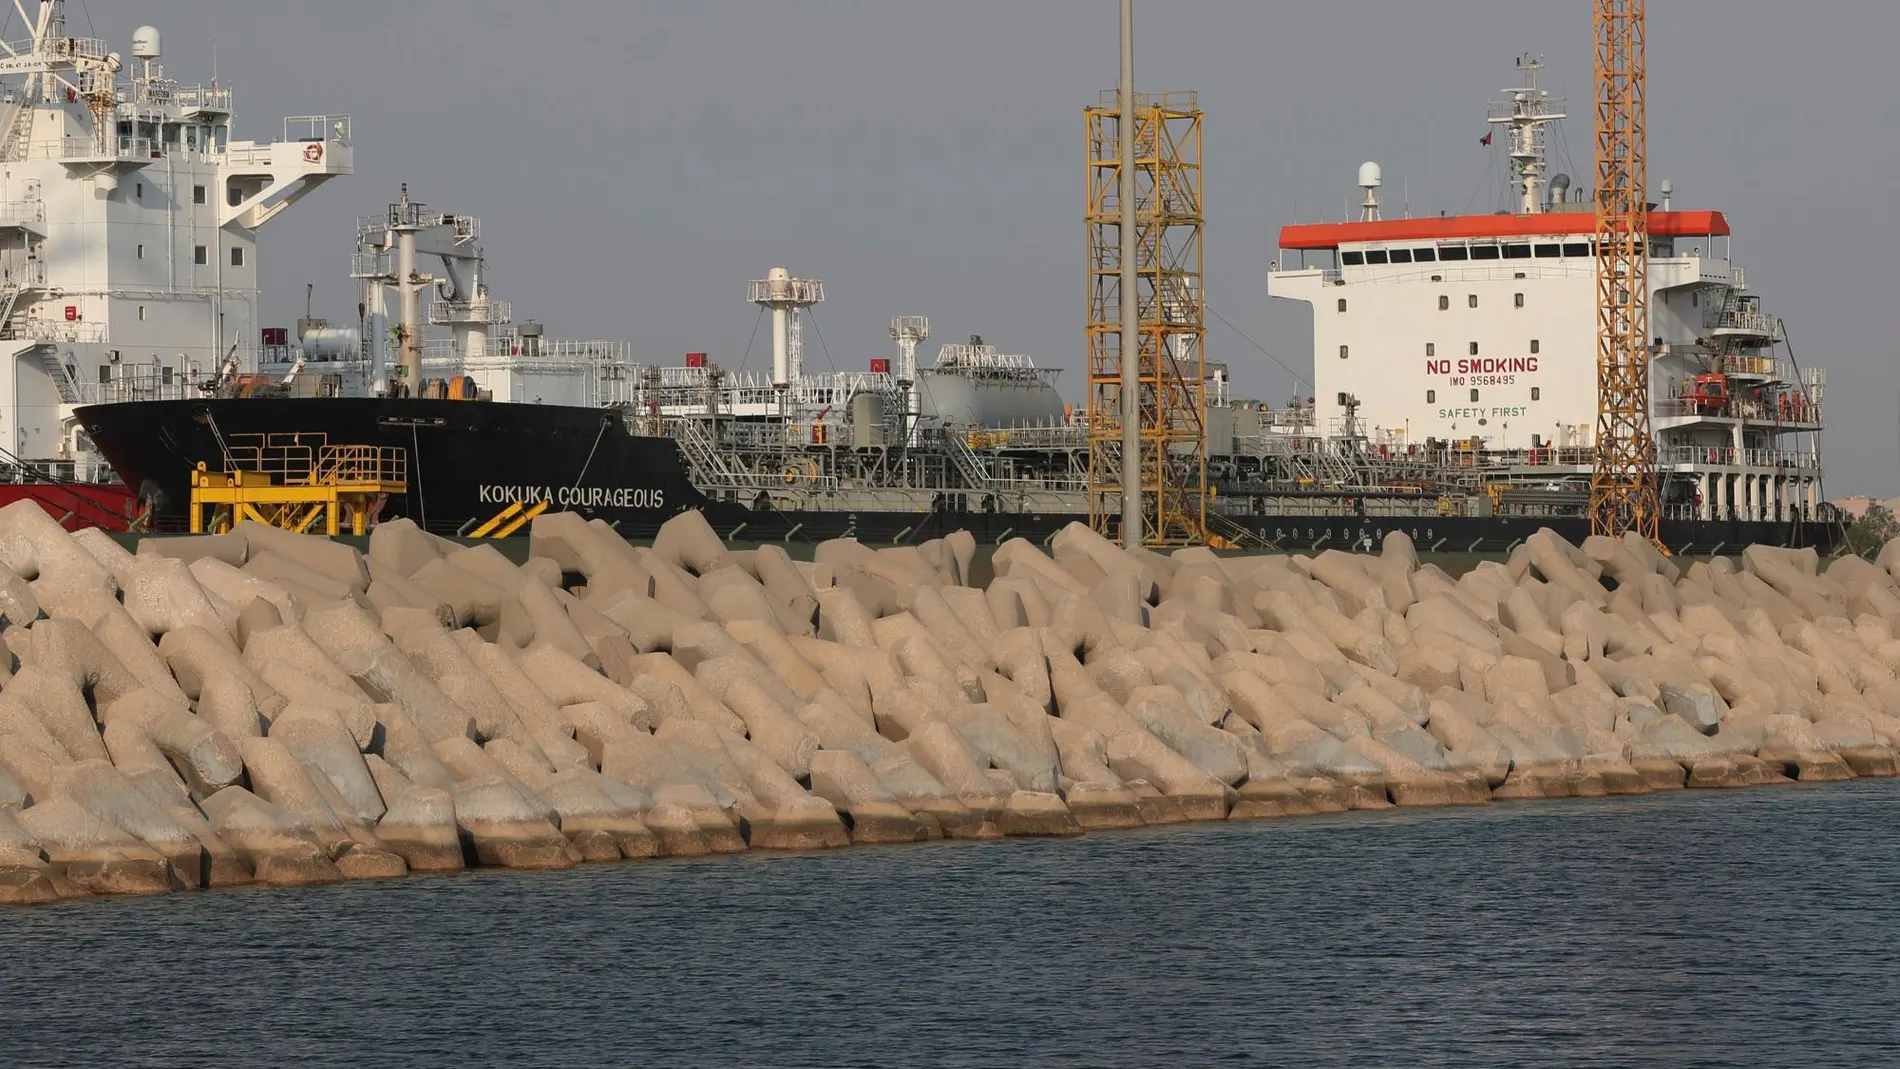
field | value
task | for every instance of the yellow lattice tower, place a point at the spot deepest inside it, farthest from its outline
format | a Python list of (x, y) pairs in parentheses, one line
[(1172, 315), (1623, 482)]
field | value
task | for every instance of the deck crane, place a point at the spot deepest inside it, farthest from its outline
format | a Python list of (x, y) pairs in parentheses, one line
[(1623, 494)]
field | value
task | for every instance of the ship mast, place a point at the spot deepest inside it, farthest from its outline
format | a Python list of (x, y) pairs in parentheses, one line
[(1526, 111)]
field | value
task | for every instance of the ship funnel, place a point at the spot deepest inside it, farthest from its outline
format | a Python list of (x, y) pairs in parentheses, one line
[(1559, 188)]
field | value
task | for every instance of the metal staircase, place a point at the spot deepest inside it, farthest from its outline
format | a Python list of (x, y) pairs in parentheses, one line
[(16, 135), (969, 466), (708, 467), (44, 353), (48, 358)]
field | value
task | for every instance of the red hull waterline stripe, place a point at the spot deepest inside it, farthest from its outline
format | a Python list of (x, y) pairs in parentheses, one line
[(90, 505), (1461, 227)]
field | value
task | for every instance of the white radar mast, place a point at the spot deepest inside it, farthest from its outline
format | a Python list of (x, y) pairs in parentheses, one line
[(1527, 111), (787, 297)]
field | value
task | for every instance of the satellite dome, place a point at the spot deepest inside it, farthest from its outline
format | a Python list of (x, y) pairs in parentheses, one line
[(1369, 174), (145, 42)]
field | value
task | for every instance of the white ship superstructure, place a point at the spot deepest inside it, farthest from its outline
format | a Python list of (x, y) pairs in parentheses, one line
[(129, 215), (1477, 334)]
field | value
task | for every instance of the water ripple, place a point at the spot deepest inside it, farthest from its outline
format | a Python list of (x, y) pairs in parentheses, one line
[(1707, 928)]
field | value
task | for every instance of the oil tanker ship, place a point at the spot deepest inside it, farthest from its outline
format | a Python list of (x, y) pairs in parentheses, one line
[(143, 377)]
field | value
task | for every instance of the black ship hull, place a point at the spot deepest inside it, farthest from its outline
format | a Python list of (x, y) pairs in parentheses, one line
[(469, 460)]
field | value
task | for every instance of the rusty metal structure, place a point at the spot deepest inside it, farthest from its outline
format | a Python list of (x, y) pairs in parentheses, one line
[(1623, 494), (1170, 317)]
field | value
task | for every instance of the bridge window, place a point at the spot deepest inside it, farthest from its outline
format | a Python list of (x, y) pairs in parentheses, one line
[(1537, 393), (1431, 349), (1454, 252), (1576, 248), (141, 313), (1352, 259), (237, 256), (1342, 352), (1424, 256), (1444, 302), (1534, 345), (1517, 252), (1342, 304), (1484, 252), (199, 255), (198, 195), (1474, 348), (165, 375), (1517, 300), (1431, 397), (1545, 252), (1472, 300), (1376, 256), (1401, 256)]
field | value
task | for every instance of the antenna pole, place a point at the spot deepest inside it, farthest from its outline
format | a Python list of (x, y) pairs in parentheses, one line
[(1132, 535)]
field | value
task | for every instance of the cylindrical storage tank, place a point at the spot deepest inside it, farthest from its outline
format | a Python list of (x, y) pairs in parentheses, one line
[(331, 343), (987, 402)]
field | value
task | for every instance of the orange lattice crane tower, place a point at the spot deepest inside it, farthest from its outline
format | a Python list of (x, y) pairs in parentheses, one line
[(1623, 493)]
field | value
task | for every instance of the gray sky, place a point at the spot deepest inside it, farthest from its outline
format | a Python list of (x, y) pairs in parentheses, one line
[(635, 162)]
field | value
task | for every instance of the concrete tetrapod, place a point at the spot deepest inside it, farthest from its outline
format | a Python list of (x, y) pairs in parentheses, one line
[(270, 705)]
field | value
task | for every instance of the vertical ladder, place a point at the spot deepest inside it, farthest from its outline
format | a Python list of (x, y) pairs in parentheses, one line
[(16, 135)]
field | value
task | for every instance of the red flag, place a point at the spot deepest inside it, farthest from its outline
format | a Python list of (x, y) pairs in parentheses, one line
[(1486, 139)]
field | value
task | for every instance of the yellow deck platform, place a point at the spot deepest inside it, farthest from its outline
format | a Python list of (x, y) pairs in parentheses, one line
[(296, 481)]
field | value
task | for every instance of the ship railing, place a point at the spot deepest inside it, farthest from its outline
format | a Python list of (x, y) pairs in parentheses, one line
[(22, 212), (1750, 365), (481, 310), (201, 98), (1172, 100), (1380, 274), (1727, 457), (375, 263), (1790, 409), (23, 274), (1757, 323), (1029, 437), (55, 330), (344, 464), (76, 148), (317, 128), (62, 48), (152, 384), (561, 350), (287, 457)]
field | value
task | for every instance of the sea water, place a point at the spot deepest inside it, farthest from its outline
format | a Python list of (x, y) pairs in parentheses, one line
[(1720, 928)]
